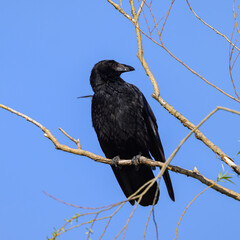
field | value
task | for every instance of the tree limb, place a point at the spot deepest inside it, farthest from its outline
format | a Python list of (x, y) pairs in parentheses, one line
[(190, 173), (198, 134)]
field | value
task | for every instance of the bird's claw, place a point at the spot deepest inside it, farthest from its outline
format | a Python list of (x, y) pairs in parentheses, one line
[(115, 161), (136, 160)]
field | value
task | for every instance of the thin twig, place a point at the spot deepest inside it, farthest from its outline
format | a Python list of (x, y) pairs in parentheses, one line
[(215, 30), (170, 109), (169, 10), (235, 18), (105, 228), (194, 72), (109, 220), (145, 65), (163, 169), (144, 160), (71, 138), (199, 135), (150, 33), (164, 16), (154, 19), (140, 51), (63, 229), (189, 206), (91, 227), (149, 215), (121, 10), (230, 65), (140, 8), (76, 206), (128, 220)]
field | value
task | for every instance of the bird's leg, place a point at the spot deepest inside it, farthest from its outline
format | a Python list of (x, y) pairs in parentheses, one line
[(115, 161), (136, 159)]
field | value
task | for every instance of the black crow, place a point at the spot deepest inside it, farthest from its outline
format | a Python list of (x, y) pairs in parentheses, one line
[(126, 127)]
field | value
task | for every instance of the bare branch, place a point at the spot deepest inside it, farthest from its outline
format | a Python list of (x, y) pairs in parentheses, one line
[(230, 65), (91, 227), (194, 72), (149, 162), (140, 8), (158, 23), (190, 69), (144, 160), (215, 30), (140, 192), (126, 225), (189, 206), (71, 138), (140, 51), (166, 18), (76, 206), (235, 18), (170, 109), (199, 135), (154, 19), (150, 32), (120, 10), (149, 215), (149, 73)]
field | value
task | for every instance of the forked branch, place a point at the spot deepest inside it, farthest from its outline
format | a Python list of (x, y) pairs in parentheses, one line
[(142, 160)]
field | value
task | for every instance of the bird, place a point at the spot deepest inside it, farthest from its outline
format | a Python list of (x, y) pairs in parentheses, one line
[(126, 128)]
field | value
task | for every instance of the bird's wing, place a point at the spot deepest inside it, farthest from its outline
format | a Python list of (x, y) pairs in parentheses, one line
[(152, 127), (155, 145)]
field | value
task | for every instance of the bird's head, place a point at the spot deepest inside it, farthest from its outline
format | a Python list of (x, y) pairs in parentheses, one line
[(107, 70), (111, 68)]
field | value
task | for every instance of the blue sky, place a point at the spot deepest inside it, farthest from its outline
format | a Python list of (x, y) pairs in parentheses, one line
[(47, 51)]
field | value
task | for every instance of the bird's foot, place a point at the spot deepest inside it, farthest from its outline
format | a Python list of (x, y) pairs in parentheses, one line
[(115, 161), (136, 160)]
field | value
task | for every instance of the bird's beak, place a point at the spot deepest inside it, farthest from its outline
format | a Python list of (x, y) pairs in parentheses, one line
[(124, 68)]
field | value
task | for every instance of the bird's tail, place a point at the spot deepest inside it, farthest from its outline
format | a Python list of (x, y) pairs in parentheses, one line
[(131, 178), (168, 183)]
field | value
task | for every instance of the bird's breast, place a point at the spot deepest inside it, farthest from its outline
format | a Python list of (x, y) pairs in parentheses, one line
[(119, 123), (115, 114)]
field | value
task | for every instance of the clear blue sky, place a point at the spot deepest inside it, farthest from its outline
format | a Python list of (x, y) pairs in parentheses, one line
[(47, 50)]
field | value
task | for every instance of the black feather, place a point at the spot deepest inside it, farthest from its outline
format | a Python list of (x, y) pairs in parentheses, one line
[(125, 127)]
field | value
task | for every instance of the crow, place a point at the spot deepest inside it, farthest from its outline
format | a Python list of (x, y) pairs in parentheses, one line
[(126, 129)]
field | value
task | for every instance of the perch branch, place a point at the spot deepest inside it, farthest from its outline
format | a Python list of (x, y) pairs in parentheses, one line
[(168, 107), (142, 160)]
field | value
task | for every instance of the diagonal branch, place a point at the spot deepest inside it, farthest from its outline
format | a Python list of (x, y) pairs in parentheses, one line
[(140, 51), (215, 30), (199, 135), (197, 74), (190, 173), (140, 8), (169, 10), (148, 72), (77, 142), (189, 206), (121, 10), (235, 18)]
